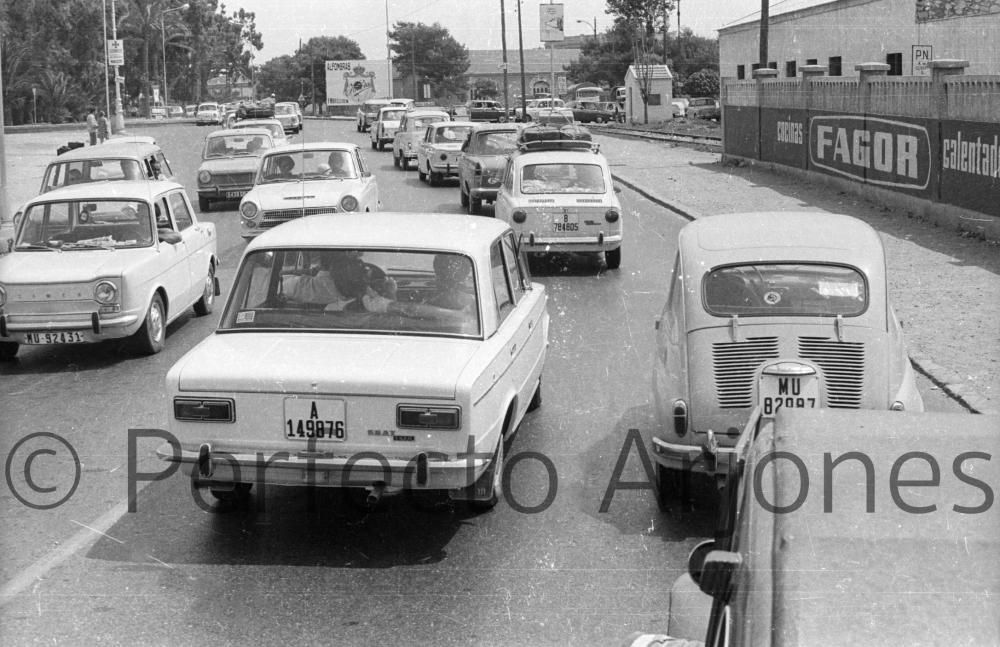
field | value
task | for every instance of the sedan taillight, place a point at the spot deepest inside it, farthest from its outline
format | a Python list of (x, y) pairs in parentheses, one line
[(204, 410), (414, 417)]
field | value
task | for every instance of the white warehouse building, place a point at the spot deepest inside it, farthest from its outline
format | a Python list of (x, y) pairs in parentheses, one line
[(905, 34)]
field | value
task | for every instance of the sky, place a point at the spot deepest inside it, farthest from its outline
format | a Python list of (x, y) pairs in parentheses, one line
[(474, 23)]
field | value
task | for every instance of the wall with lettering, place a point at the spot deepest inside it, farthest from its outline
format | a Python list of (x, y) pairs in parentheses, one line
[(970, 165), (355, 82)]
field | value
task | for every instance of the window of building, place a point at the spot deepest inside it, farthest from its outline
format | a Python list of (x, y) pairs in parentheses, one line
[(833, 64), (811, 61), (772, 65), (895, 62), (755, 66), (654, 100), (790, 69), (741, 71)]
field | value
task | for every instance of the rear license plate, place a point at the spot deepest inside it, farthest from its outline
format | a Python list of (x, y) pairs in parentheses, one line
[(234, 195), (788, 392), (62, 337), (312, 419), (565, 222)]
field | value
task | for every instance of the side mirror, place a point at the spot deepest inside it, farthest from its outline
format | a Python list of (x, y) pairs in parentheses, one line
[(168, 236), (17, 218), (696, 559), (716, 576), (618, 189)]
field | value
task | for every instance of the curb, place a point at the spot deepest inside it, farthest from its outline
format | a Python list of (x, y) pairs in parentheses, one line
[(947, 380)]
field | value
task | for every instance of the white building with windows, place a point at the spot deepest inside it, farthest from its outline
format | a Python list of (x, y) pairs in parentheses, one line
[(840, 34)]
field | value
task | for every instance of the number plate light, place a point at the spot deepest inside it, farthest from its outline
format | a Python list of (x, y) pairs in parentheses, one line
[(413, 417), (204, 410)]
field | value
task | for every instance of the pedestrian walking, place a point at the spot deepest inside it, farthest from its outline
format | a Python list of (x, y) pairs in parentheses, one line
[(103, 126), (92, 127)]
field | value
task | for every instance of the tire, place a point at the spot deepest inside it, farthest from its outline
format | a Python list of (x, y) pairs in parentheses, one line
[(381, 145), (435, 179), (240, 492), (374, 145), (475, 206), (404, 163), (420, 174), (496, 484), (613, 258), (598, 120), (395, 160), (204, 204), (148, 340), (536, 399), (206, 303), (672, 486), (463, 197), (8, 350)]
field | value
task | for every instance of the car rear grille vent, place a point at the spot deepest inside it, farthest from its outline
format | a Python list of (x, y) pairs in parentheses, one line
[(734, 364), (843, 364)]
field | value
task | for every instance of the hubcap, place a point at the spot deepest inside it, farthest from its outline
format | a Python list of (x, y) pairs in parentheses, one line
[(210, 288), (156, 321)]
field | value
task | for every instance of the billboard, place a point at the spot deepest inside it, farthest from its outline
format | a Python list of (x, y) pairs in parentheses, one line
[(355, 82), (551, 22)]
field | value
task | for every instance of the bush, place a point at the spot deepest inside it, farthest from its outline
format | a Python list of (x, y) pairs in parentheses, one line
[(704, 83)]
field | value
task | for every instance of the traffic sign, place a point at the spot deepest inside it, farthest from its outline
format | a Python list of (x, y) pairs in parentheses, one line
[(116, 52)]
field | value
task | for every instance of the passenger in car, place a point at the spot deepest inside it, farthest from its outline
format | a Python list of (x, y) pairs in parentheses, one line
[(452, 273), (318, 288)]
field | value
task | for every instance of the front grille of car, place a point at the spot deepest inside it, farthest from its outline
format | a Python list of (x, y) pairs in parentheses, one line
[(232, 179), (843, 364), (278, 216), (734, 364)]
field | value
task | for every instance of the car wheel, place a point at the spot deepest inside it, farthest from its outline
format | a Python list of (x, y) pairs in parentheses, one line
[(536, 399), (463, 197), (205, 304), (381, 145), (495, 485), (435, 178), (672, 486), (404, 162), (240, 492), (395, 160), (148, 340), (420, 174), (204, 204), (613, 258), (8, 350), (599, 120), (374, 145), (475, 205)]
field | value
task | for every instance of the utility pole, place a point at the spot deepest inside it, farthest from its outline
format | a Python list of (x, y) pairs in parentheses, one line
[(118, 120), (413, 60), (665, 25), (763, 32), (520, 50), (503, 44), (388, 48)]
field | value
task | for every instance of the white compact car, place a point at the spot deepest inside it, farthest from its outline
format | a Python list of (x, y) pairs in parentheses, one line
[(208, 113), (308, 179), (411, 130), (379, 352), (438, 152), (229, 163), (383, 130), (559, 195), (275, 126), (104, 261), (287, 112)]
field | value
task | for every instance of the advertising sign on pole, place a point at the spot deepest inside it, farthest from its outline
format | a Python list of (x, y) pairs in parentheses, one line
[(116, 52), (355, 82), (922, 55), (551, 22)]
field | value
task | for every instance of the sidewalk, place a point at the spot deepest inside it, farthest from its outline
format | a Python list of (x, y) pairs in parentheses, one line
[(944, 287)]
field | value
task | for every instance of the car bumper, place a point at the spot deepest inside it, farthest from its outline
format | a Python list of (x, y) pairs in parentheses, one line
[(705, 458), (482, 193), (88, 327), (600, 243), (318, 469), (450, 170), (227, 193)]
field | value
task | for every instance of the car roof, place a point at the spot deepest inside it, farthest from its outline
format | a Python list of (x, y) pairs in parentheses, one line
[(570, 156), (423, 112), (504, 127), (452, 123), (436, 231), (868, 577), (242, 132), (113, 190), (392, 107), (109, 150), (782, 235), (249, 123), (298, 147)]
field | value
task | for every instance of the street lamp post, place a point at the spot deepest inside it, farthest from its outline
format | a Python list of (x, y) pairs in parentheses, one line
[(163, 47), (592, 24), (118, 118)]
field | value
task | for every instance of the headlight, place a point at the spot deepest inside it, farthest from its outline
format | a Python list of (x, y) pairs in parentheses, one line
[(349, 203), (248, 210), (611, 215), (204, 177), (3, 296), (105, 292), (519, 216)]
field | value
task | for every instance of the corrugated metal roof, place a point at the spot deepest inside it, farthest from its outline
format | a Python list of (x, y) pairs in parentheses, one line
[(659, 72)]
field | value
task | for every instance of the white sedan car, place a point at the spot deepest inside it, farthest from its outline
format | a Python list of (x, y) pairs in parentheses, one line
[(104, 261), (381, 352), (276, 127), (308, 179)]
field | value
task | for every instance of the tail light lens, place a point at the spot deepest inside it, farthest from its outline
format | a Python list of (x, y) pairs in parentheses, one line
[(204, 410), (413, 417), (680, 417), (519, 216), (444, 156), (611, 215), (349, 203)]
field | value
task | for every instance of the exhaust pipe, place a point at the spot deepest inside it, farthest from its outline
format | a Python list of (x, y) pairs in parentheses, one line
[(375, 495)]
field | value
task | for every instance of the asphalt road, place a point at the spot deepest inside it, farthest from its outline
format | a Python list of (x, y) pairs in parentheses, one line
[(545, 567)]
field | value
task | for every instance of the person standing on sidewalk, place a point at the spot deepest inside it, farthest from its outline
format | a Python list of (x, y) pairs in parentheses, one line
[(92, 127), (103, 126)]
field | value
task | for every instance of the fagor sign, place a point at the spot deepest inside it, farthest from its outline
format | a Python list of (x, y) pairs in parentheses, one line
[(877, 151)]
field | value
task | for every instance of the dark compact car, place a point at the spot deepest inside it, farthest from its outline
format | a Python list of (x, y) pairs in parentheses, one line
[(484, 110), (482, 162), (703, 108), (587, 112), (849, 528)]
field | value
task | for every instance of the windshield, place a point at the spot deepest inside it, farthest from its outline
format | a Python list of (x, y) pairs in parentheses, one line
[(277, 130), (423, 122), (284, 110), (355, 290), (208, 106), (85, 224), (562, 178), (494, 143), (451, 134), (785, 289), (308, 165), (235, 145), (554, 119), (60, 174), (391, 115)]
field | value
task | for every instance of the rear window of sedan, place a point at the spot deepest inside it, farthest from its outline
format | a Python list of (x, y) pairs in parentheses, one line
[(493, 143), (392, 115), (451, 134), (423, 122), (344, 290), (235, 145), (85, 224), (562, 178), (784, 289)]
